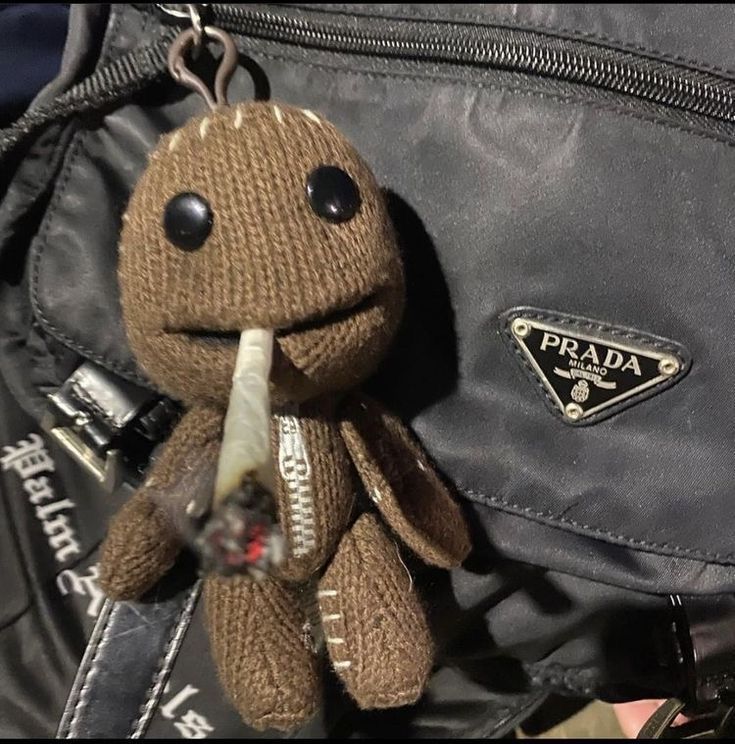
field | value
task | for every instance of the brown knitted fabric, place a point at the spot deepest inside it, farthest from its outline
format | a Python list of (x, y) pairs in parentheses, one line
[(269, 261), (375, 628), (140, 548), (197, 433), (403, 484), (334, 295), (143, 541), (258, 640), (315, 488)]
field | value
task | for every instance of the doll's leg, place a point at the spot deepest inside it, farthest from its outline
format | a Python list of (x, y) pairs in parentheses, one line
[(374, 625), (259, 643)]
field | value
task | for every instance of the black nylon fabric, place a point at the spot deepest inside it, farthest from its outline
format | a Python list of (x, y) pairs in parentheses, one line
[(601, 198), (505, 191)]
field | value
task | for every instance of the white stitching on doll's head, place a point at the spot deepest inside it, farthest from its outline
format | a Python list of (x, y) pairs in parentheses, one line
[(174, 141), (311, 116)]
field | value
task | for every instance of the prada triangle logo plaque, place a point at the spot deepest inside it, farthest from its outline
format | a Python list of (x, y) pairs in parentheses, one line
[(589, 370)]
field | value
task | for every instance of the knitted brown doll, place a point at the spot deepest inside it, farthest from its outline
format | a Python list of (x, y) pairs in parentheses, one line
[(263, 216)]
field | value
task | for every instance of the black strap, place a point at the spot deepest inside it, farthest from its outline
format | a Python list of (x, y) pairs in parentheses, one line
[(718, 724), (704, 626), (703, 629), (125, 668), (659, 724), (108, 85)]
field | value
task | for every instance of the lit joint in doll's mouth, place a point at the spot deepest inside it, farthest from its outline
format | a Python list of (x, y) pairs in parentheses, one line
[(232, 337)]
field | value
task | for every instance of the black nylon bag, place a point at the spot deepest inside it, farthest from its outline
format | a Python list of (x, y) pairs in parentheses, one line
[(566, 164)]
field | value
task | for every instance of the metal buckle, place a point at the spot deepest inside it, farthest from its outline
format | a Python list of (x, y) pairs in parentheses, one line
[(719, 724), (107, 425), (107, 471), (702, 632)]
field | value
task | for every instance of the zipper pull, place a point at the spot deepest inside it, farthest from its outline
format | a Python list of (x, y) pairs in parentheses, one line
[(189, 42)]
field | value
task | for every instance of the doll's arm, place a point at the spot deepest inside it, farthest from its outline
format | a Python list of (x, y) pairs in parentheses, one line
[(403, 484), (144, 538)]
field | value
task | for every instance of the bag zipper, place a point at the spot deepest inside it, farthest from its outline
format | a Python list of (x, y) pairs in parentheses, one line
[(683, 90), (490, 47)]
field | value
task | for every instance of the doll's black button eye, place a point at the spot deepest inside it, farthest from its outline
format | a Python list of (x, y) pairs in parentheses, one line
[(187, 221), (332, 194)]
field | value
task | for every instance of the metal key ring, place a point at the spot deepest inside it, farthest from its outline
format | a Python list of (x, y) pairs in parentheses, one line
[(186, 41)]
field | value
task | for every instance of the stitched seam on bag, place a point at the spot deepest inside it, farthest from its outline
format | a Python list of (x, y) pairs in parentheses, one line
[(38, 251), (111, 34), (91, 670), (589, 325), (449, 79), (514, 23), (164, 665), (75, 147), (591, 530)]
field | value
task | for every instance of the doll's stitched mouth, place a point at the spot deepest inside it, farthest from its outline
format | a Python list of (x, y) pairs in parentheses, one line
[(233, 337), (209, 336), (329, 319)]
